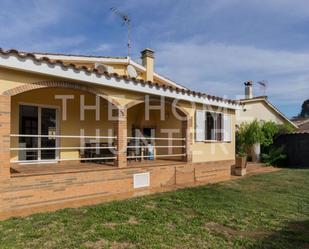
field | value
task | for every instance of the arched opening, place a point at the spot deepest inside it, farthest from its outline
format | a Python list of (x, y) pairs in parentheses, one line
[(62, 124), (157, 132)]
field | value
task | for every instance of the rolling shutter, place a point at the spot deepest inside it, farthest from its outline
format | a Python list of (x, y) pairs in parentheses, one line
[(227, 126), (200, 125)]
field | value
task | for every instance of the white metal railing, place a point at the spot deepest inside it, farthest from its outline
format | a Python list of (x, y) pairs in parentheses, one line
[(62, 136), (142, 143), (95, 140), (66, 148), (157, 138)]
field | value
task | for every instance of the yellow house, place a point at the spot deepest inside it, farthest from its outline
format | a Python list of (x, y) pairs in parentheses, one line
[(259, 108), (75, 129)]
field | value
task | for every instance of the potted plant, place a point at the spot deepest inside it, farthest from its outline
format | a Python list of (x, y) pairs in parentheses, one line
[(247, 135), (241, 160), (241, 164)]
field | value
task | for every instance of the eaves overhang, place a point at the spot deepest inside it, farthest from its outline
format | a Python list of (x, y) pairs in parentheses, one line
[(29, 63)]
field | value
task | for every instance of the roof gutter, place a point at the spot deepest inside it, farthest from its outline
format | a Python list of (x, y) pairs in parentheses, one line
[(124, 61), (30, 64)]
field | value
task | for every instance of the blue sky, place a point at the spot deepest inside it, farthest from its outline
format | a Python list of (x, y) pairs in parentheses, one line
[(208, 45)]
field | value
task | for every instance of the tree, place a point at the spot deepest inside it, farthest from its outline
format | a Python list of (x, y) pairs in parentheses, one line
[(259, 132), (269, 129), (304, 109)]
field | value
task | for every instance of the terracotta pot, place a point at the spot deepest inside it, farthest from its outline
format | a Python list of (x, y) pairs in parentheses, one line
[(240, 171), (241, 162)]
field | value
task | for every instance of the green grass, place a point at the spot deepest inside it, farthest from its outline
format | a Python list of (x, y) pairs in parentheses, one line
[(261, 211)]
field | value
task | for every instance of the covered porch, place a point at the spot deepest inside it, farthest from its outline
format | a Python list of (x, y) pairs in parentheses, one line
[(47, 138)]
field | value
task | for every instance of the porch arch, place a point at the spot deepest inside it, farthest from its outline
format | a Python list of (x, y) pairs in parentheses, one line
[(25, 88), (60, 84), (155, 99), (186, 122)]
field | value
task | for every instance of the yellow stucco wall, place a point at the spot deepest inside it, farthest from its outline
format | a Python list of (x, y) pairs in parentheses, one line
[(9, 79), (213, 151), (258, 110)]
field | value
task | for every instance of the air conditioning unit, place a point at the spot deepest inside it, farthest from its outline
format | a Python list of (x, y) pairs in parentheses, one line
[(103, 68)]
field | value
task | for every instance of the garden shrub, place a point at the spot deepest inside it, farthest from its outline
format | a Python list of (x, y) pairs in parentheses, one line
[(275, 157)]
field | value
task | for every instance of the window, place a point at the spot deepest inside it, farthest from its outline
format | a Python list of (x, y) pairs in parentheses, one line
[(212, 126)]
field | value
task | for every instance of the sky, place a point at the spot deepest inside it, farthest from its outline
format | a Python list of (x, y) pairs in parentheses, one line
[(212, 46)]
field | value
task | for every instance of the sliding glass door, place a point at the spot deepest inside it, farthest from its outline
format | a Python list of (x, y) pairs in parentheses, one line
[(28, 125), (48, 127), (41, 122)]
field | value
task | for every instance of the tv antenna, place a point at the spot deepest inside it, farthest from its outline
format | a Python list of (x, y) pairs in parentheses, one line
[(126, 21), (263, 85)]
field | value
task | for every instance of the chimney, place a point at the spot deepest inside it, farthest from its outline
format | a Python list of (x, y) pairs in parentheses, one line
[(248, 90), (148, 62)]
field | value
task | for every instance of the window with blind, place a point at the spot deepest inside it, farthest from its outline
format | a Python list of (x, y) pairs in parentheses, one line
[(212, 126)]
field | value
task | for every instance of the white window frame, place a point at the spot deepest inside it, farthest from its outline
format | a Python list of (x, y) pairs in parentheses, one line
[(227, 134), (213, 135), (200, 128), (40, 106)]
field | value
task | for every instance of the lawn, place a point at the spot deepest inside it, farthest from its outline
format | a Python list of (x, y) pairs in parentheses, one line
[(262, 211)]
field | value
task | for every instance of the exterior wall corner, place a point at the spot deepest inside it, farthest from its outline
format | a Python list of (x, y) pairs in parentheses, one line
[(5, 130)]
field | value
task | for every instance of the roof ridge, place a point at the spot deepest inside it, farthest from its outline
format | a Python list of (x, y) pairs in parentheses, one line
[(77, 55), (253, 98), (101, 57)]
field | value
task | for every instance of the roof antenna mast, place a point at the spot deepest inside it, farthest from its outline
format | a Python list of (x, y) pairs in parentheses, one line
[(263, 84), (126, 21)]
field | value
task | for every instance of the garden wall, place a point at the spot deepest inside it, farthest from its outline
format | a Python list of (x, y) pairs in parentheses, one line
[(31, 194), (296, 147)]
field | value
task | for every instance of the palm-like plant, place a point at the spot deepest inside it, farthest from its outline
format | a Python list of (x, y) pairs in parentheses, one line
[(249, 134)]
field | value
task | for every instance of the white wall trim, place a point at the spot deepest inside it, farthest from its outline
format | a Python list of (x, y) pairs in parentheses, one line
[(44, 68), (98, 59)]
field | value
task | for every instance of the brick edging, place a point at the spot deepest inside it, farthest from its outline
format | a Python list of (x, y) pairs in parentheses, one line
[(60, 84)]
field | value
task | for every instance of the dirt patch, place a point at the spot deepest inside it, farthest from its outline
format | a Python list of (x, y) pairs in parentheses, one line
[(232, 232), (189, 213), (150, 205), (110, 224), (105, 243), (132, 220)]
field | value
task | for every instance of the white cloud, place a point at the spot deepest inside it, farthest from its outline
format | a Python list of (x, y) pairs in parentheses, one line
[(28, 17), (57, 43), (104, 47), (219, 69), (296, 8)]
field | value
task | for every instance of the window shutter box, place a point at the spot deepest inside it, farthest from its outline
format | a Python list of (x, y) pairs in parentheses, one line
[(227, 125), (200, 125)]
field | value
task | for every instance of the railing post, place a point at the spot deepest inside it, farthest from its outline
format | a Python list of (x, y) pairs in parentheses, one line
[(5, 130), (120, 127), (187, 133)]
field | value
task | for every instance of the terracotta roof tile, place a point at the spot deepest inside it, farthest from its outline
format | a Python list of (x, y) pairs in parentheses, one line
[(85, 69), (75, 55)]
